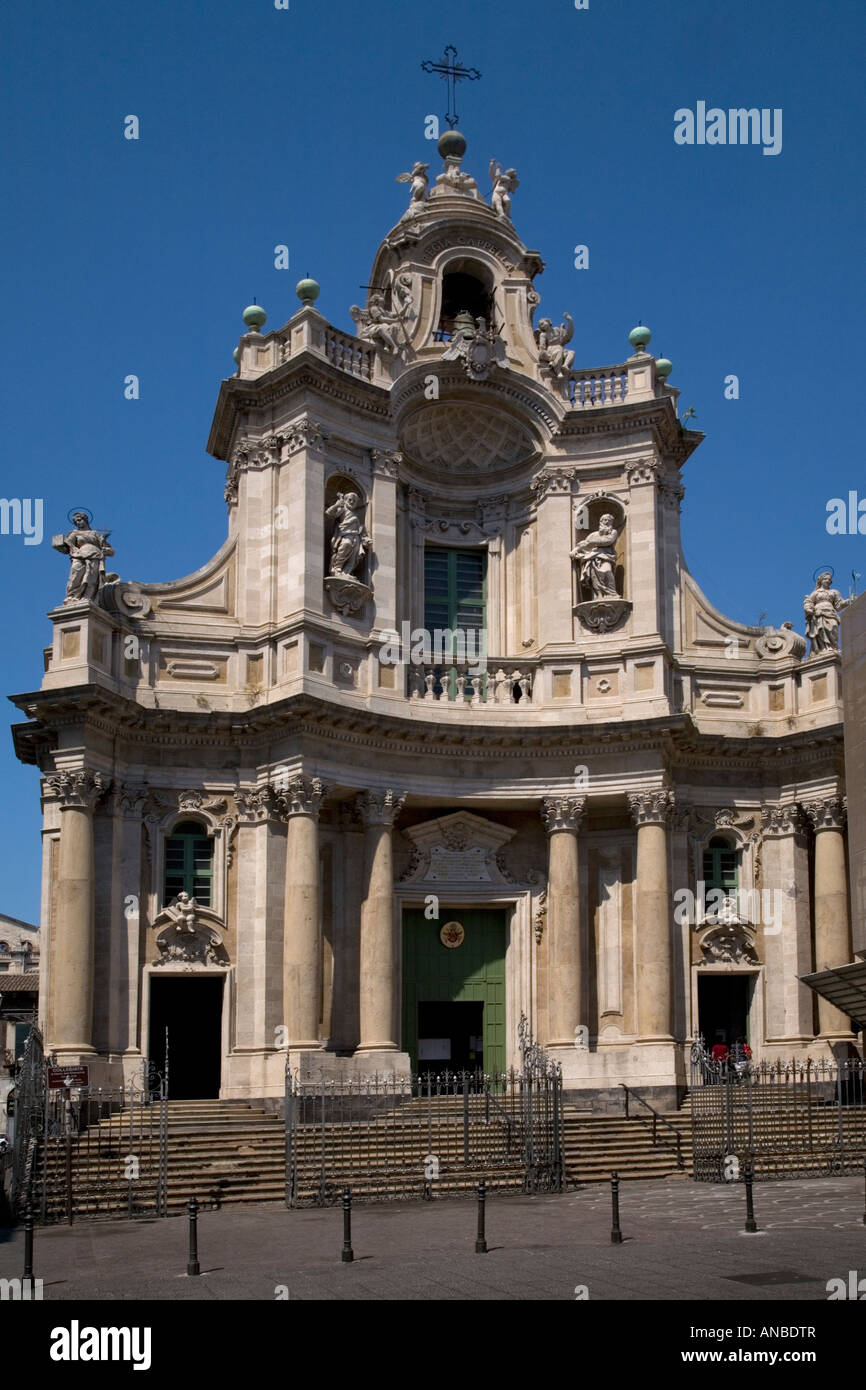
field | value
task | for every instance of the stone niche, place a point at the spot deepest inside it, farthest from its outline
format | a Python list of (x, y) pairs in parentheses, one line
[(348, 592), (596, 612)]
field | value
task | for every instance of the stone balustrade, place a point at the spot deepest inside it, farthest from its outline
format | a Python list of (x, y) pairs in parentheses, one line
[(596, 386), (350, 354), (500, 684)]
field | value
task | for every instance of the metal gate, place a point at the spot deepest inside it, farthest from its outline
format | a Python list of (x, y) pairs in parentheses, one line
[(794, 1119), (389, 1136), (88, 1151)]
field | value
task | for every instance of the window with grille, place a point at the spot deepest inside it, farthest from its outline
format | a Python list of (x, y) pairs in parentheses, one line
[(189, 863), (454, 591)]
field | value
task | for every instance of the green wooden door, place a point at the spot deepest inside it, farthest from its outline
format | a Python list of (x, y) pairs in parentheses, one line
[(471, 972)]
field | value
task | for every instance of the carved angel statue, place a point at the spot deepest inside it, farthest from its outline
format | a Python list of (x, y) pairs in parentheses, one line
[(505, 182), (597, 556), (87, 550), (821, 609), (182, 912), (376, 324), (402, 298), (551, 342), (350, 541), (419, 181)]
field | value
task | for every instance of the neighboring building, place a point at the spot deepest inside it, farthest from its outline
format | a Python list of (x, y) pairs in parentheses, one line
[(269, 823), (19, 996)]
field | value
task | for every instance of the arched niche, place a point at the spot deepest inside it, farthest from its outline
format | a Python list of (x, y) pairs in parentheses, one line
[(467, 286), (343, 483), (587, 519)]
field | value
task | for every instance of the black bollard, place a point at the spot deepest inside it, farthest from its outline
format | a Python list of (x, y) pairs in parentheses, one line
[(748, 1174), (480, 1240), (615, 1232), (348, 1254), (192, 1266), (28, 1245)]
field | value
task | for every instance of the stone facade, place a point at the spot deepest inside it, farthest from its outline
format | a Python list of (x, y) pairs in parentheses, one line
[(285, 699)]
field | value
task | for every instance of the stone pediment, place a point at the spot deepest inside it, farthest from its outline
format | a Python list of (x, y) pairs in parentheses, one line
[(459, 848)]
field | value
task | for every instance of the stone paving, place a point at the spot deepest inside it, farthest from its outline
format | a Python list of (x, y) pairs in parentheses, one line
[(682, 1241)]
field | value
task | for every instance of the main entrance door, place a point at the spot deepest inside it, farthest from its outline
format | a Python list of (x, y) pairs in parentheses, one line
[(723, 1008), (454, 994), (190, 1010)]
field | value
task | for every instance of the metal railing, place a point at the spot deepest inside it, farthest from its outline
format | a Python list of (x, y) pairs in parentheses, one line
[(788, 1119), (654, 1123)]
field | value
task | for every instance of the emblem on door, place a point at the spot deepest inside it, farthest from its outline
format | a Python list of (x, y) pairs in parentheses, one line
[(452, 934)]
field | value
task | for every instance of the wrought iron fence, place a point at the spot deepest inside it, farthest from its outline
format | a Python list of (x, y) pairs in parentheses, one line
[(419, 1135), (88, 1151), (794, 1119)]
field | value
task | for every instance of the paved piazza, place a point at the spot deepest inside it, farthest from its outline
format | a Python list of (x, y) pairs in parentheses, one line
[(682, 1241)]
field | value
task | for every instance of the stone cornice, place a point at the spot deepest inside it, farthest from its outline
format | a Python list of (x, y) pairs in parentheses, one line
[(675, 740)]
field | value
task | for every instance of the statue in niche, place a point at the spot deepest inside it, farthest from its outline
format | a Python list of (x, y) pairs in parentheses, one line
[(597, 556), (376, 324), (821, 609), (505, 182), (418, 193), (350, 541), (551, 341), (87, 550)]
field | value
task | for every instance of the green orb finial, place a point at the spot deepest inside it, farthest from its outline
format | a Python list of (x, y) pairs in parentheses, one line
[(639, 337), (451, 143), (236, 356), (307, 291), (664, 367), (254, 316)]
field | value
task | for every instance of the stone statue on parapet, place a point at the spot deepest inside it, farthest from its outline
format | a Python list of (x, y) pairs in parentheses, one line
[(821, 609), (505, 182), (350, 541), (552, 352), (87, 550), (597, 556), (418, 193), (376, 324)]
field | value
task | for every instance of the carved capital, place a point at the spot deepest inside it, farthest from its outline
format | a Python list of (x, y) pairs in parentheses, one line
[(78, 789), (257, 804), (129, 799), (380, 808), (562, 812), (827, 814), (301, 796), (780, 820), (554, 482), (305, 434), (652, 807), (644, 471), (386, 465)]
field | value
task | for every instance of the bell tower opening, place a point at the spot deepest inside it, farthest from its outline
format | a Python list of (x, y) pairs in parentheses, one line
[(467, 287)]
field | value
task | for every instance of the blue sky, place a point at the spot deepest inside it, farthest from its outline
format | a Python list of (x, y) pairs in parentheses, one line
[(261, 126)]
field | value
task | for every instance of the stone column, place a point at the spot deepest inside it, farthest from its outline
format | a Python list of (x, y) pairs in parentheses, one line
[(302, 958), (562, 816), (73, 928), (832, 924), (785, 943), (653, 941), (380, 976)]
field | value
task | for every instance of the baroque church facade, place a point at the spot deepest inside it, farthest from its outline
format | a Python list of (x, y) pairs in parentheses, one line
[(445, 734)]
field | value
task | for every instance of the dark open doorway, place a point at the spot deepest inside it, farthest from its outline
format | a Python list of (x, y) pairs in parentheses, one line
[(191, 1011), (450, 1036), (723, 1008)]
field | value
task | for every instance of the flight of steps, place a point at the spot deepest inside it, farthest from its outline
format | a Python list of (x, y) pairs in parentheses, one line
[(594, 1146)]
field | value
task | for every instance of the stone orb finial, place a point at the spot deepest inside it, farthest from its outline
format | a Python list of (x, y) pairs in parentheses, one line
[(307, 291), (451, 144), (254, 316), (639, 337), (664, 367)]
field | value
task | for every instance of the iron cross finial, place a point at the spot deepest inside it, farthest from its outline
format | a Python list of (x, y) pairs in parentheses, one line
[(449, 69)]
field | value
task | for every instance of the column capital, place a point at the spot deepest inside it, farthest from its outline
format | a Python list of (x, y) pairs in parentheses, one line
[(562, 812), (77, 789), (828, 813), (651, 807), (300, 796), (129, 798), (777, 821), (380, 807), (258, 804), (386, 464)]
